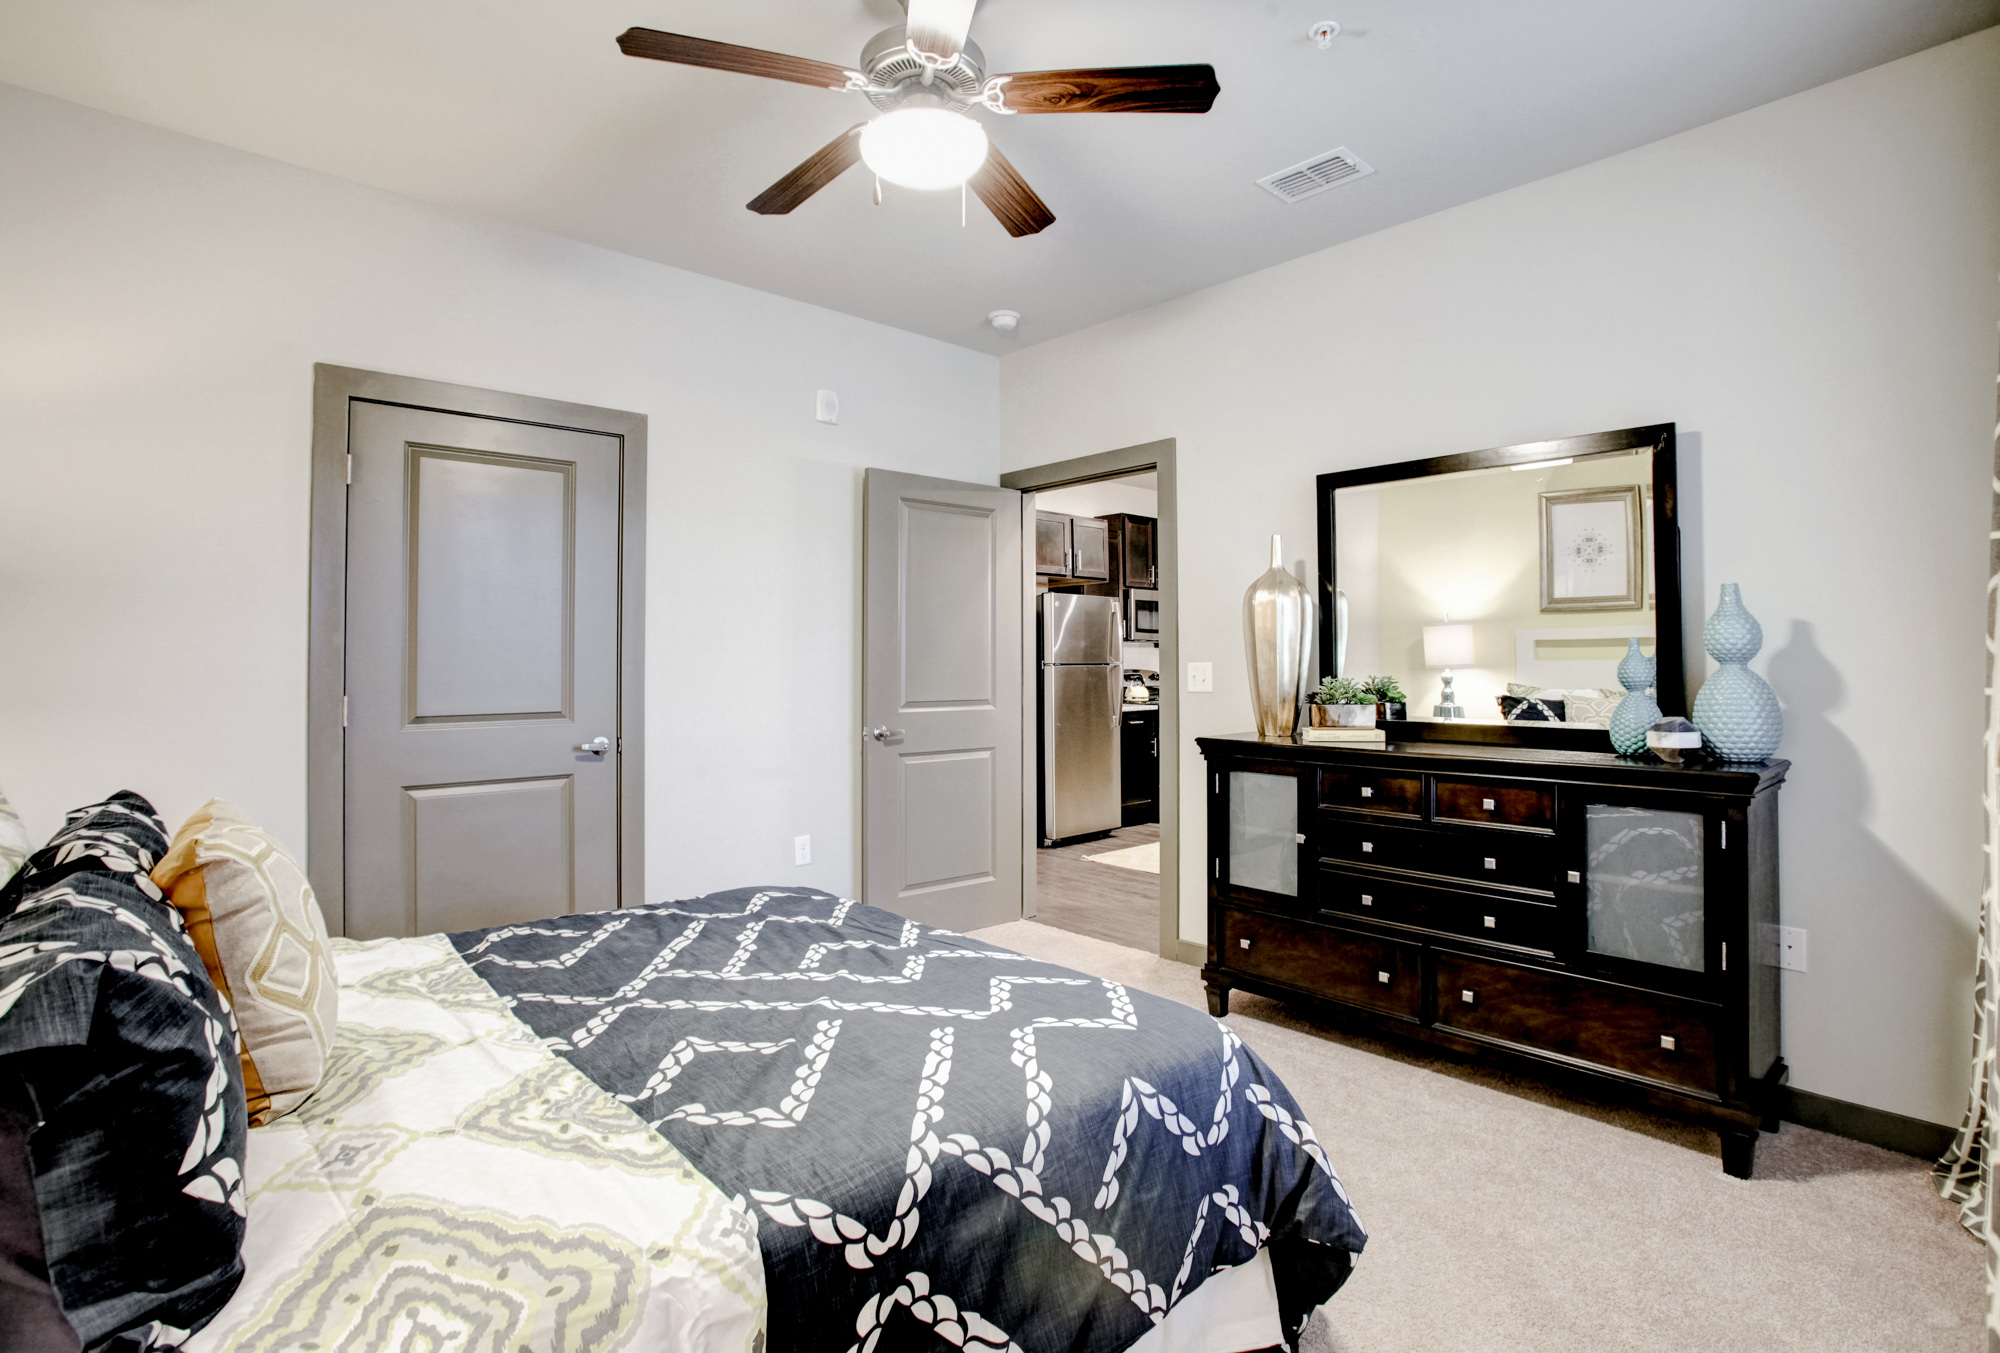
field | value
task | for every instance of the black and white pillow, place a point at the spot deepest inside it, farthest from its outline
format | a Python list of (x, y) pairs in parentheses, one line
[(117, 1050), (1531, 709)]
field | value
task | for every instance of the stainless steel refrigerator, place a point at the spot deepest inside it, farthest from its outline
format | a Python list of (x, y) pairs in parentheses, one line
[(1079, 702)]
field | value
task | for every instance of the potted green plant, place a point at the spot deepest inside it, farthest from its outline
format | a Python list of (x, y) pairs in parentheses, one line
[(1341, 702), (1390, 702)]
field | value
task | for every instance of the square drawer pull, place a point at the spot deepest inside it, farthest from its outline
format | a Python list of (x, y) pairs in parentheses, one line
[(1492, 863), (1492, 922), (1244, 943), (1667, 1042), (1367, 793), (1301, 837), (1469, 997), (1575, 876), (1383, 978), (1367, 899), (1487, 804), (1367, 847)]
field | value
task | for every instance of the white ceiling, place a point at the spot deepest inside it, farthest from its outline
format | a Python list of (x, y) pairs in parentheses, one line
[(525, 110)]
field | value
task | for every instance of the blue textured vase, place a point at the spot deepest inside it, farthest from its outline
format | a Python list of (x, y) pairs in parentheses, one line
[(1736, 711), (1638, 711)]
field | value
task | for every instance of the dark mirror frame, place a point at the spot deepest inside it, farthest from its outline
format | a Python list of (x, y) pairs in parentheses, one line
[(1671, 689)]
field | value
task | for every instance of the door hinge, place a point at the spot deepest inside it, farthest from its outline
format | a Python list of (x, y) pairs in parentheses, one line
[(343, 711), (621, 744), (350, 467)]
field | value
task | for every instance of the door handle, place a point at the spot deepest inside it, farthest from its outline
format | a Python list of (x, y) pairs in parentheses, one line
[(596, 746), (882, 734)]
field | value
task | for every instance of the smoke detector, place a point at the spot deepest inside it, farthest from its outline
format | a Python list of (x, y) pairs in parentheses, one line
[(1004, 320), (1308, 178)]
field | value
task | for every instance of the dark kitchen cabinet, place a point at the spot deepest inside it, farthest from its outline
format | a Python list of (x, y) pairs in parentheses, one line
[(1588, 919), (1072, 547), (1139, 763), (1052, 544), (1134, 551)]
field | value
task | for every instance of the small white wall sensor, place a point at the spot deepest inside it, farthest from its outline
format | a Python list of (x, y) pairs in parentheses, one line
[(828, 408), (1004, 320)]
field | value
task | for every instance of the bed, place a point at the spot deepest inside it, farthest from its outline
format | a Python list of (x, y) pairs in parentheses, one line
[(771, 1118)]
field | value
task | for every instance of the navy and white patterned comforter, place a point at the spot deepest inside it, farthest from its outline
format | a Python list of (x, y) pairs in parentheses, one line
[(942, 1139)]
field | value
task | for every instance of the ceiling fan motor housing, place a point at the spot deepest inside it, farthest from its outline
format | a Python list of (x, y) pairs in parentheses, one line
[(895, 75)]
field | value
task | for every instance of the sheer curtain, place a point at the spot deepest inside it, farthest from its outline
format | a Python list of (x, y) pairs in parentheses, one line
[(1965, 1175)]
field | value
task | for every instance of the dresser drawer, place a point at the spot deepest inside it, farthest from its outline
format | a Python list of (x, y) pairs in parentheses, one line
[(1660, 1037), (1513, 860), (1365, 792), (1363, 970), (1496, 804), (1530, 925)]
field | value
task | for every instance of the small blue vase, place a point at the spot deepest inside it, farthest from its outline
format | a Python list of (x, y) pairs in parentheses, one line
[(1736, 711), (1638, 711)]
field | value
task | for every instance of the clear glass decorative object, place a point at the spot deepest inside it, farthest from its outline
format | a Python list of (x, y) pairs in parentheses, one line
[(1644, 887), (1263, 832), (1671, 739)]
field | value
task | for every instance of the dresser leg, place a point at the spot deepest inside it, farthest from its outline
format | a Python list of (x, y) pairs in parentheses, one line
[(1739, 1152), (1218, 1000)]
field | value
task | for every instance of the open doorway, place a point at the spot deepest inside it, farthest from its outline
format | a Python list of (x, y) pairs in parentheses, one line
[(1099, 719)]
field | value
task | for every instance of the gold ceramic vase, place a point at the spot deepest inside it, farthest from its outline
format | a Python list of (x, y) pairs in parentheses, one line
[(1277, 639)]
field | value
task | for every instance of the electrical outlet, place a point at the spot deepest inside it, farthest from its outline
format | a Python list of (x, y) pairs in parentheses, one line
[(802, 850), (1201, 676), (1784, 947)]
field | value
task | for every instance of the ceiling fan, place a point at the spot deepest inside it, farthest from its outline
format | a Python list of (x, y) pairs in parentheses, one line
[(925, 77)]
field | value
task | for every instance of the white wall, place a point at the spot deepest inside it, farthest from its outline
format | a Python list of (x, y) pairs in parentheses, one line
[(1808, 290), (162, 303), (1138, 496)]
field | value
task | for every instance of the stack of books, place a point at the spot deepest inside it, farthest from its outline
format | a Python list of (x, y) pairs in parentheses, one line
[(1346, 737)]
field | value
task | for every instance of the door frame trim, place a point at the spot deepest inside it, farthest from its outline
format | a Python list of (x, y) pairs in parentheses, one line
[(1158, 457), (334, 388)]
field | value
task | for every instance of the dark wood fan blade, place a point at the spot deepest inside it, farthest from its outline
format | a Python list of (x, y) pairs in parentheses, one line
[(1008, 196), (686, 51), (938, 27), (1121, 89), (825, 165)]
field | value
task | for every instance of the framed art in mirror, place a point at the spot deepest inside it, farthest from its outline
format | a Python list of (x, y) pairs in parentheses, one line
[(1547, 561)]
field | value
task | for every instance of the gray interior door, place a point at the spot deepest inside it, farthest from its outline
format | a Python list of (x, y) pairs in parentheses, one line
[(482, 672), (941, 822)]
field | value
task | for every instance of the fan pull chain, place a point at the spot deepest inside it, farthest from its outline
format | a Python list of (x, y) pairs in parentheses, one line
[(878, 190), (961, 206)]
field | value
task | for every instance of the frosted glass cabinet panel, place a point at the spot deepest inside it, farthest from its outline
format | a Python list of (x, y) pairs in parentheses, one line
[(1263, 832), (1644, 885)]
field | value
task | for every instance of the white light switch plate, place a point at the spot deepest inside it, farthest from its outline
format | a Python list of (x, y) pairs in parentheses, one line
[(802, 850), (1201, 676), (827, 410)]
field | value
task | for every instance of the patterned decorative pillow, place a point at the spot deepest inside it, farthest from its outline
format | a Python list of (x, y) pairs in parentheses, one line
[(1592, 708), (14, 844), (258, 928), (1530, 709), (110, 1030)]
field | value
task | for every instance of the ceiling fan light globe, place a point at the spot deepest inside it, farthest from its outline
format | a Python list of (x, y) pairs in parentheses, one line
[(924, 148)]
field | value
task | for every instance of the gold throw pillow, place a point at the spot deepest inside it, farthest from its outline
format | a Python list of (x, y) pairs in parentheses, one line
[(257, 926)]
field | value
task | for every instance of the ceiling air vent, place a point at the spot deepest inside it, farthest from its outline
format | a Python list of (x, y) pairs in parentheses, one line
[(1315, 175)]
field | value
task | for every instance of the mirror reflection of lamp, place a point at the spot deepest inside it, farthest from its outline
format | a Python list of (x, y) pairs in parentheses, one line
[(1447, 646)]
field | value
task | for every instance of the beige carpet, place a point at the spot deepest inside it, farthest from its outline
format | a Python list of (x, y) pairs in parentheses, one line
[(1504, 1217)]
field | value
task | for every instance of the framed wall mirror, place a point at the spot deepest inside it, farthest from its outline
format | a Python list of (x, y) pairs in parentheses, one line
[(1519, 572)]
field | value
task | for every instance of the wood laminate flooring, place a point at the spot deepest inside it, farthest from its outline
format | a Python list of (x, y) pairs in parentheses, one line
[(1121, 906)]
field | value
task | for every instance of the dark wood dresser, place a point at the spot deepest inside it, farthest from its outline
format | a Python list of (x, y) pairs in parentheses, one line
[(1590, 919)]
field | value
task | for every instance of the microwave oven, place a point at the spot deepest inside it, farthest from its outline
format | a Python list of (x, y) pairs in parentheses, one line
[(1142, 615)]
